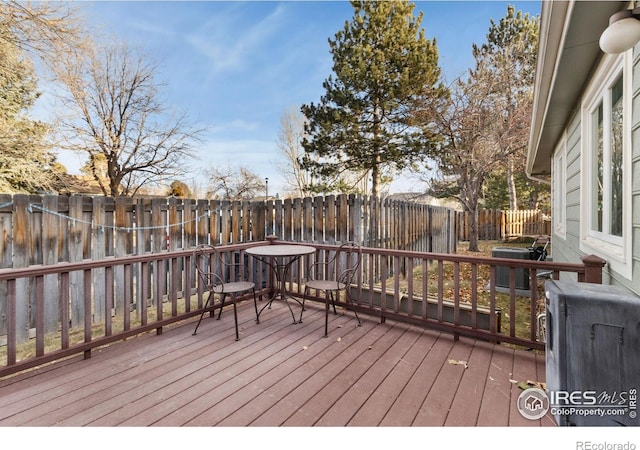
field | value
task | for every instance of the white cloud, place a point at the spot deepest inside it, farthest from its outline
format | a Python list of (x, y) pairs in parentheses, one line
[(229, 43), (233, 126)]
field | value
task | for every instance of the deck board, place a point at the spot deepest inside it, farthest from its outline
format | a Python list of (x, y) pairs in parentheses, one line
[(388, 400), (523, 368), (346, 392), (409, 402), (465, 408), (496, 400), (279, 374), (436, 406)]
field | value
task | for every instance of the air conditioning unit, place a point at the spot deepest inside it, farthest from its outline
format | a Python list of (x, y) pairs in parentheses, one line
[(592, 353), (502, 272)]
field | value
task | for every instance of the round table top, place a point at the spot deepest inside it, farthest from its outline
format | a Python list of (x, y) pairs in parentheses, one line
[(281, 250)]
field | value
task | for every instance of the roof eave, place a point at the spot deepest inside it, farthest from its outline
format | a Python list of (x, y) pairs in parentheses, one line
[(567, 54)]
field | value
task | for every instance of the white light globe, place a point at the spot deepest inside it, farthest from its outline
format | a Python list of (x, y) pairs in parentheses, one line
[(620, 35)]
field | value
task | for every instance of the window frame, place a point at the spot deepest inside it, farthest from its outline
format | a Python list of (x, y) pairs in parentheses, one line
[(616, 250)]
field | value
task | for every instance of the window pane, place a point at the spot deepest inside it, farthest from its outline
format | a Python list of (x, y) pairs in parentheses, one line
[(616, 159), (598, 169)]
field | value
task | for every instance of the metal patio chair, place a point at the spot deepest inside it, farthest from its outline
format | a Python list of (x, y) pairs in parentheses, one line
[(333, 276), (222, 277)]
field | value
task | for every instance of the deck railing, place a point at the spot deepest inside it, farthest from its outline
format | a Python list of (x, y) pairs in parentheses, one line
[(122, 297)]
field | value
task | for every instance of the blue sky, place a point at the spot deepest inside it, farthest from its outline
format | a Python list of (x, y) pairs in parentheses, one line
[(235, 67)]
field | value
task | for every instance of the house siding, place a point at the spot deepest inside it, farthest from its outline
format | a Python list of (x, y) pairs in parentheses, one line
[(564, 249), (567, 248)]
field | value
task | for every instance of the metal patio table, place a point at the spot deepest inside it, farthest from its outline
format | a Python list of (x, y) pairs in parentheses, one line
[(280, 258)]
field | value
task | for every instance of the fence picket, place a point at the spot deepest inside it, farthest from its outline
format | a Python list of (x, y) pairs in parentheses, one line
[(50, 254), (21, 238), (98, 252)]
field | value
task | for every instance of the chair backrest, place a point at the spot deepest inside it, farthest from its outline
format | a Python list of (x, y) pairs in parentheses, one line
[(206, 259), (348, 259), (215, 267)]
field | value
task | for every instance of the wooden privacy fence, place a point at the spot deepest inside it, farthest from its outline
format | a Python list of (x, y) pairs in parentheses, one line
[(494, 224), (51, 229)]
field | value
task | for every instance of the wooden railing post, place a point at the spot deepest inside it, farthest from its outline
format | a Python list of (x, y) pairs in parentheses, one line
[(593, 269)]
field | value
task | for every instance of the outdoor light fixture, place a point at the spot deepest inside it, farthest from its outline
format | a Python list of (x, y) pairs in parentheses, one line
[(623, 31)]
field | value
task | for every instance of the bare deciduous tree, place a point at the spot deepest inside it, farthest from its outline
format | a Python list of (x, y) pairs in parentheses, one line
[(290, 135), (469, 153), (117, 114), (45, 29), (228, 183), (485, 122)]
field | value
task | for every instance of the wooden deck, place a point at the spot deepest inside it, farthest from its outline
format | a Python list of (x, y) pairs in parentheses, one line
[(279, 374)]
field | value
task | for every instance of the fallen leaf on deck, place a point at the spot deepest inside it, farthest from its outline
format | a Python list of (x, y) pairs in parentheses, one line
[(537, 384), (528, 384), (338, 340), (460, 363)]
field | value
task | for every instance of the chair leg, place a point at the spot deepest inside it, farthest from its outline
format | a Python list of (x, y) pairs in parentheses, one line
[(326, 315), (203, 311), (351, 303), (224, 297), (304, 297), (255, 304), (235, 317), (333, 302)]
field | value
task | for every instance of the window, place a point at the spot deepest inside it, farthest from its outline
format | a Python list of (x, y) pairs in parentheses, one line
[(606, 158), (606, 150)]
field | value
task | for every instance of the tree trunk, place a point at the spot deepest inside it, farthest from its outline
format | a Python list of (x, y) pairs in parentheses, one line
[(375, 170), (473, 228), (513, 195), (375, 180)]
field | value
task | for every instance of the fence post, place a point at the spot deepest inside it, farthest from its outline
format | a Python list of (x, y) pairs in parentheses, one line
[(593, 269)]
